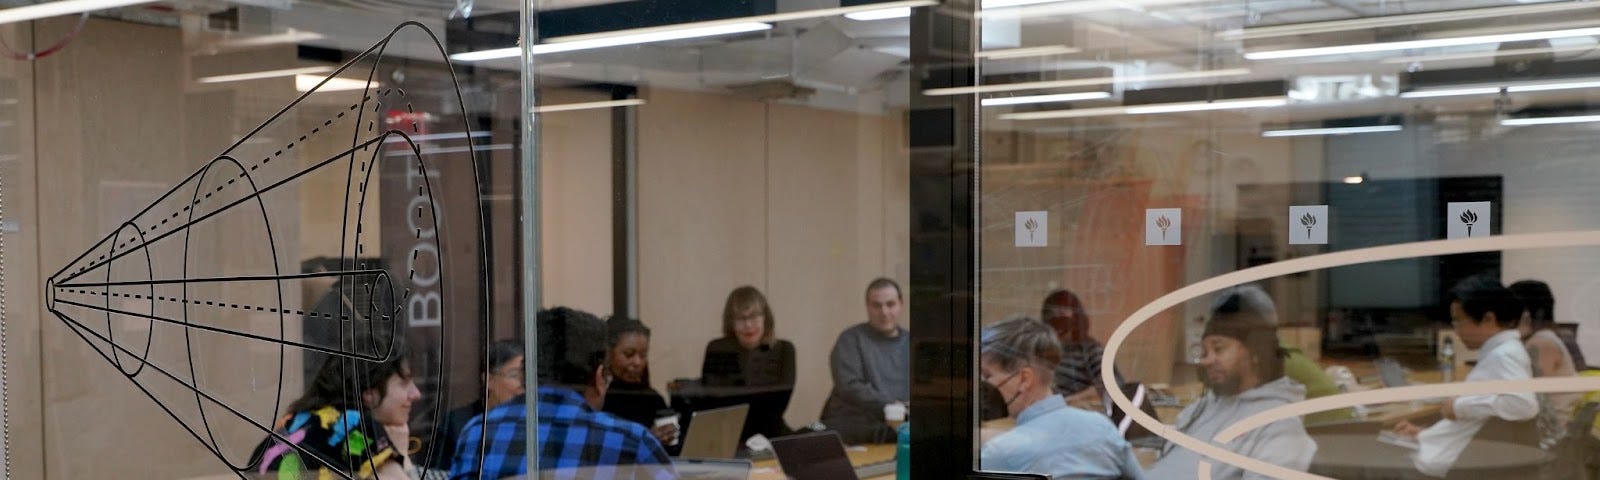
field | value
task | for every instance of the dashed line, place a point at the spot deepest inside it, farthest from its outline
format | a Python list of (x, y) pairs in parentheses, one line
[(211, 304)]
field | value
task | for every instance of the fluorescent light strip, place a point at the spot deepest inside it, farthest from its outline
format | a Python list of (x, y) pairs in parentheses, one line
[(987, 4), (771, 18), (1400, 20), (1239, 104), (439, 136), (291, 36), (1486, 53), (1354, 180), (1495, 89), (1301, 132), (1516, 122), (1027, 52), (62, 7), (567, 107), (239, 77), (306, 83), (1062, 97), (1057, 8), (1414, 44), (1085, 82), (431, 151), (633, 39), (884, 14)]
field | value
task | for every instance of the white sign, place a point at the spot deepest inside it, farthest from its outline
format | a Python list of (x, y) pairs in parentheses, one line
[(1467, 219), (1163, 226), (1308, 225), (1033, 229)]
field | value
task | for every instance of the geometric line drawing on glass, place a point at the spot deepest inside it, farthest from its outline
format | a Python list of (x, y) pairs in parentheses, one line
[(1468, 219), (1033, 229), (1202, 288), (1163, 226), (1308, 225), (178, 305)]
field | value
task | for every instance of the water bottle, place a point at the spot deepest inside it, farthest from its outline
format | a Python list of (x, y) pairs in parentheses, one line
[(1447, 359), (902, 452)]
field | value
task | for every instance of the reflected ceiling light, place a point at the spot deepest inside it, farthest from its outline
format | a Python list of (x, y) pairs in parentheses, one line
[(1515, 122), (1400, 20), (290, 36), (1086, 82), (1062, 97), (1301, 132), (1487, 53), (240, 77), (438, 136), (1414, 44), (1027, 52), (1494, 89), (884, 14), (62, 7), (618, 40), (1036, 8), (1239, 104), (1354, 180), (306, 83), (567, 107), (1016, 3)]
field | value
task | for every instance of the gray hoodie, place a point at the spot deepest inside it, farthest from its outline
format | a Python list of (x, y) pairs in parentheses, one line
[(1283, 442)]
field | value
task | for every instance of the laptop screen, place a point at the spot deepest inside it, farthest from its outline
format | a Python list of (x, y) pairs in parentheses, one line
[(813, 456)]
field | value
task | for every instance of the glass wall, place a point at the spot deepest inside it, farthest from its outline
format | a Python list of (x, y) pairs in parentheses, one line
[(1290, 227)]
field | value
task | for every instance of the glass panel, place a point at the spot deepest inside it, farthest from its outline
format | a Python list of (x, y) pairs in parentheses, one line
[(1236, 207), (269, 237)]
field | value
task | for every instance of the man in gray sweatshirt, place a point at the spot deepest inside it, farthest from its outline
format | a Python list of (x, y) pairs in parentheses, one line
[(1243, 372), (871, 369)]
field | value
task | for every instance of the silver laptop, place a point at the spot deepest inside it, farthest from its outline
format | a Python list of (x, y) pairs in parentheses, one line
[(714, 433), (711, 469)]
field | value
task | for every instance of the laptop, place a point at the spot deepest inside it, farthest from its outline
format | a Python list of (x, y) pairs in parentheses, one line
[(814, 456), (711, 469), (1391, 373), (714, 433)]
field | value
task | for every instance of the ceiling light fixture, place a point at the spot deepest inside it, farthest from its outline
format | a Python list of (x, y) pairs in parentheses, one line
[(306, 83), (240, 77), (567, 107), (1520, 122), (1487, 53), (1045, 8), (1301, 132), (1086, 82), (1025, 52), (1400, 20), (1415, 44), (1354, 180), (62, 7), (1061, 97), (1239, 104), (1494, 89), (884, 14)]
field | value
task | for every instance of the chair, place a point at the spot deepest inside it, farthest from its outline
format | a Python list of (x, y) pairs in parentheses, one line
[(1578, 454)]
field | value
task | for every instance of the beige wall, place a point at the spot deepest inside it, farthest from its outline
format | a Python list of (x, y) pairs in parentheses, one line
[(575, 203), (22, 349), (807, 205)]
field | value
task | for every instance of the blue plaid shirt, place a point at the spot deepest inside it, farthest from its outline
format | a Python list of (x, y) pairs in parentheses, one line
[(574, 442)]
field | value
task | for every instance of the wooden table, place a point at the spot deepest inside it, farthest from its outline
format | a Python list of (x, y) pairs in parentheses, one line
[(865, 455), (1355, 457)]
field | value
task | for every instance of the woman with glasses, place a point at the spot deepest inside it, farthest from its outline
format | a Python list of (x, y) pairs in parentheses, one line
[(631, 397), (502, 382), (749, 354)]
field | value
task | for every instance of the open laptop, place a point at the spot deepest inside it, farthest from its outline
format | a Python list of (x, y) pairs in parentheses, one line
[(711, 469), (1391, 373), (714, 433), (814, 456)]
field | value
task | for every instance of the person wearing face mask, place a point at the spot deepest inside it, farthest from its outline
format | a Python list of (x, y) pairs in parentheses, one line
[(1018, 358), (1078, 375), (871, 369), (749, 354), (502, 382), (1243, 370), (351, 420), (630, 395)]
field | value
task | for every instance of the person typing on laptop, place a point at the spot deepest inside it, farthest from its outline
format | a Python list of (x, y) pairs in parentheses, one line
[(1485, 315), (1018, 357)]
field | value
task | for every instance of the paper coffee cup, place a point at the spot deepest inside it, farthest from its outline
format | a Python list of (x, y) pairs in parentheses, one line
[(894, 412)]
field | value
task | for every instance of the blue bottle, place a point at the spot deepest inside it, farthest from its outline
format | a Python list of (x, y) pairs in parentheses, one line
[(902, 453)]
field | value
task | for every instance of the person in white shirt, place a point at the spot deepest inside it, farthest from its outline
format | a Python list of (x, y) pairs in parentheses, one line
[(1485, 315)]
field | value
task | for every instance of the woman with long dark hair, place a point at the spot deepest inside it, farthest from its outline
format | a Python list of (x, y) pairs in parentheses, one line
[(631, 397)]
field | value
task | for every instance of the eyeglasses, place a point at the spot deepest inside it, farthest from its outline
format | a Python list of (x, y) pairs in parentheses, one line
[(749, 318)]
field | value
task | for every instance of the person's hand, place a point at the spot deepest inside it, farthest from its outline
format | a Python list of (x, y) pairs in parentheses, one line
[(1407, 429), (666, 434)]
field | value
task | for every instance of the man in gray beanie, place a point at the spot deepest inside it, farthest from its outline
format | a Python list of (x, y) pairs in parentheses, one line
[(1243, 371)]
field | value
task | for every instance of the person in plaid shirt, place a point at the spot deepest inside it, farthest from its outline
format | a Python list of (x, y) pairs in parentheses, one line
[(576, 439)]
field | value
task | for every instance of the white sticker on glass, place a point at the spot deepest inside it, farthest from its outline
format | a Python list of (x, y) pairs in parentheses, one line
[(1033, 229), (1163, 226), (1308, 225), (1467, 219)]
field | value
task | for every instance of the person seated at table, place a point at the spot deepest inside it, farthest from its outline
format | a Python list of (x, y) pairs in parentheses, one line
[(1243, 370), (1018, 357), (1550, 355), (871, 367), (1078, 375), (1485, 316), (750, 354), (502, 382), (631, 396), (1296, 365), (575, 440)]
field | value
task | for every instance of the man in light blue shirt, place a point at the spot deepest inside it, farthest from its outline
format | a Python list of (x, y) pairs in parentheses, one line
[(1019, 358)]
